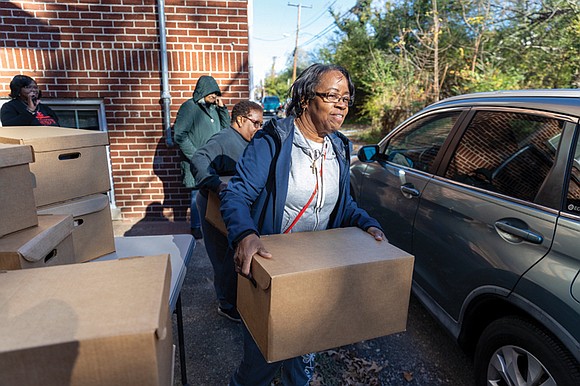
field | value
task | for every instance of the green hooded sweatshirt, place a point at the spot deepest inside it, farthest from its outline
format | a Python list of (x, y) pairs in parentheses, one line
[(196, 122)]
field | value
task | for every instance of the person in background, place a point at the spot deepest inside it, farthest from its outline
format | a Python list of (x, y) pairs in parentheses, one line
[(215, 159), (25, 108), (293, 177), (197, 120)]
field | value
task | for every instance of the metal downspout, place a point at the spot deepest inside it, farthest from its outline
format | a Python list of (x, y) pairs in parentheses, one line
[(250, 56), (165, 95)]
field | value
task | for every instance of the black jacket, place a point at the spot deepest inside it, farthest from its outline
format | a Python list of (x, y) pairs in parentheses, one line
[(218, 157), (15, 113)]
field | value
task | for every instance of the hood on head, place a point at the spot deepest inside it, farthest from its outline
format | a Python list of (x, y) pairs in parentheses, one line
[(205, 85)]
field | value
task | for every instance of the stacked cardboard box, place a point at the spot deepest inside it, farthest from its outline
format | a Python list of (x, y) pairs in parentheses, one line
[(72, 177), (26, 239), (69, 163), (105, 323), (17, 207), (49, 243), (93, 226)]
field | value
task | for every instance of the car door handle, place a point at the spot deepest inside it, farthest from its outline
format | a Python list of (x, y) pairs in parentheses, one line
[(525, 234), (409, 190)]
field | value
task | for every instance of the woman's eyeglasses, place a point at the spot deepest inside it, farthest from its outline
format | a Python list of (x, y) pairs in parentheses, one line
[(330, 97), (257, 124)]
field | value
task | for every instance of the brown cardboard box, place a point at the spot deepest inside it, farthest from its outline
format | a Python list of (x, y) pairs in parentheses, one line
[(49, 243), (104, 323), (17, 206), (70, 163), (324, 289), (93, 234), (213, 214)]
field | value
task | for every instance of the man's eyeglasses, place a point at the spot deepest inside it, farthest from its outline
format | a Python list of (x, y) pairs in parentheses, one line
[(330, 97), (257, 124)]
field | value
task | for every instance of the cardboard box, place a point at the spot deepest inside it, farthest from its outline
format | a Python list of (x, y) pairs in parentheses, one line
[(47, 244), (324, 289), (70, 163), (213, 214), (17, 205), (93, 234), (104, 323)]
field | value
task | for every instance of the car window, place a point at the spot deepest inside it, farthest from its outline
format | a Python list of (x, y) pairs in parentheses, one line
[(507, 153), (271, 100), (417, 144), (573, 196)]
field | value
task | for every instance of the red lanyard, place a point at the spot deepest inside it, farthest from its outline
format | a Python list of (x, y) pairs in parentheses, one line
[(311, 196)]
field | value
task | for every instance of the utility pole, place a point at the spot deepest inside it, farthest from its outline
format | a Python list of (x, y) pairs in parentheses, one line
[(299, 6)]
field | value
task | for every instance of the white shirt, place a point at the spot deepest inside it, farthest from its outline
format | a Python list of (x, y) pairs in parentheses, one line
[(312, 162)]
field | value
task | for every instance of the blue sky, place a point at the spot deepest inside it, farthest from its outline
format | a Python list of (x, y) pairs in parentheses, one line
[(273, 32)]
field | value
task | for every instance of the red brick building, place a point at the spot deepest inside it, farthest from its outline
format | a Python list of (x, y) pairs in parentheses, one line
[(106, 65)]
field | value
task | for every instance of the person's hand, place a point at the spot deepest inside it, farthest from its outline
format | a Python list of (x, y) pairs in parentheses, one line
[(219, 101), (247, 248), (377, 233), (33, 101)]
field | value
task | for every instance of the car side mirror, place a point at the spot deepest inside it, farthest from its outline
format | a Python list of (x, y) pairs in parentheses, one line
[(368, 153)]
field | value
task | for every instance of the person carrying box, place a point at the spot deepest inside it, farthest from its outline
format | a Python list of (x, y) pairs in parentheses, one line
[(293, 177)]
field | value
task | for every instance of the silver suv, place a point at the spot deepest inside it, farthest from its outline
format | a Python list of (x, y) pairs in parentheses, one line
[(484, 190)]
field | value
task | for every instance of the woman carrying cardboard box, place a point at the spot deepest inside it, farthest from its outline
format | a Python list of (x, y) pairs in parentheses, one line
[(293, 177)]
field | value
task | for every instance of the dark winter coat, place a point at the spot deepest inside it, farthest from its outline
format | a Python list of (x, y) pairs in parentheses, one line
[(218, 157), (15, 113), (196, 122)]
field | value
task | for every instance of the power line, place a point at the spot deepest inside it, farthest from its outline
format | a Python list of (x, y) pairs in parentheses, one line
[(326, 9), (308, 23), (327, 29), (271, 40)]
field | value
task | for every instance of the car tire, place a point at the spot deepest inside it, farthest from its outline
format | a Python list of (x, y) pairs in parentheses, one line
[(507, 348)]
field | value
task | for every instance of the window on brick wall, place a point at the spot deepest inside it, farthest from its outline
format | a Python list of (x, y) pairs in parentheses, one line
[(86, 114)]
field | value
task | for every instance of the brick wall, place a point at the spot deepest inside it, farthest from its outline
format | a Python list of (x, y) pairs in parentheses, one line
[(109, 49)]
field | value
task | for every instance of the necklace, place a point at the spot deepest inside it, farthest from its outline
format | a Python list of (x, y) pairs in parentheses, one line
[(316, 154)]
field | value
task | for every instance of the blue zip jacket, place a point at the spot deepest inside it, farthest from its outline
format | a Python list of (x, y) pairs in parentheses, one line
[(254, 200)]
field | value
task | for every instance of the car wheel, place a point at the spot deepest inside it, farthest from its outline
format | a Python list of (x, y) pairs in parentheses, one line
[(513, 351)]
